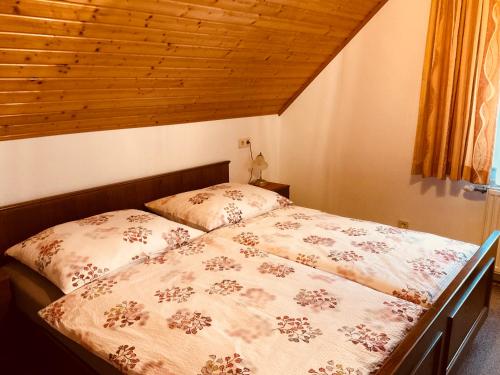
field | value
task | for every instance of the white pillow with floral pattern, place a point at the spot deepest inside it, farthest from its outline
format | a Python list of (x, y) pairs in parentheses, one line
[(73, 254), (218, 205)]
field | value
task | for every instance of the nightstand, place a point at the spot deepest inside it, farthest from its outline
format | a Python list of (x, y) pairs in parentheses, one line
[(281, 189), (5, 295)]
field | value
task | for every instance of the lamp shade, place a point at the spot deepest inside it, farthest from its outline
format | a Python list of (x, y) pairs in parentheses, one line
[(259, 163)]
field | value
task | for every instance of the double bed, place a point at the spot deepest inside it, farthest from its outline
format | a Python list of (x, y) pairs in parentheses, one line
[(292, 290)]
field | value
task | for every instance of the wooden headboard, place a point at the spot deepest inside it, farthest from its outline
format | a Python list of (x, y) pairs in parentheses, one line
[(22, 220)]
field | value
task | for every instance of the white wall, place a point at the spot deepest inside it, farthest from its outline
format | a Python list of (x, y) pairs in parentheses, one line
[(347, 141), (39, 167)]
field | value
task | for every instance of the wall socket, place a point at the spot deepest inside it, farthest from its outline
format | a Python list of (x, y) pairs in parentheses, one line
[(403, 224), (243, 142)]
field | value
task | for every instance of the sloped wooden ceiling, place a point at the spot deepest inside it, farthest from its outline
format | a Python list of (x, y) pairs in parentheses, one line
[(84, 65)]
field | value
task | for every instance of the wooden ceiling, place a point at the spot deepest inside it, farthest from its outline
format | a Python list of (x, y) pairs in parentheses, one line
[(85, 65)]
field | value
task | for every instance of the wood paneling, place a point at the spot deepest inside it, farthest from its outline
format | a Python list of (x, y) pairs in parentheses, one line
[(83, 65)]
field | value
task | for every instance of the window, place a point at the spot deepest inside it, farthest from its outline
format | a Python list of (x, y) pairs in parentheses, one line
[(495, 167)]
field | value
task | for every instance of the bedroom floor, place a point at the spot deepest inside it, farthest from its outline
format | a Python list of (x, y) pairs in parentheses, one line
[(14, 351), (479, 361)]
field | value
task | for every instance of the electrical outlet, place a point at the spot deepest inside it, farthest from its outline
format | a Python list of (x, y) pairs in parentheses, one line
[(243, 142), (403, 224)]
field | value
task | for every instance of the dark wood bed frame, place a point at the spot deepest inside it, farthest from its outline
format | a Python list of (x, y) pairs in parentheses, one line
[(434, 346)]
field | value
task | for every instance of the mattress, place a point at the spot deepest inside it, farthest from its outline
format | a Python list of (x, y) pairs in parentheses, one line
[(411, 265), (31, 293), (206, 307)]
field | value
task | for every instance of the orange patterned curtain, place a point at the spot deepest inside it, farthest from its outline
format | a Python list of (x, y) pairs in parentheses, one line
[(459, 98)]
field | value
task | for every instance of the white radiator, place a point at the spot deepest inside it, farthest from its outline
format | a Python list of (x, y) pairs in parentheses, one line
[(492, 218)]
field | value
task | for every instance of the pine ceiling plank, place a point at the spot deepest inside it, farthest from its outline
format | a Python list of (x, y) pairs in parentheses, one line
[(82, 105), (97, 71), (286, 11), (44, 57), (43, 84), (64, 127), (199, 9), (78, 44), (331, 7), (47, 26), (33, 25), (73, 65), (103, 114), (7, 97), (173, 9), (85, 13), (44, 26)]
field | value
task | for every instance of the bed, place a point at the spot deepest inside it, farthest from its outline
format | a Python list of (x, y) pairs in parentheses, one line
[(433, 345)]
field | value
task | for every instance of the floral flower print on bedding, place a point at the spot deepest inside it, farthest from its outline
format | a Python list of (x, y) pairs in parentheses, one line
[(73, 254), (372, 341), (189, 322), (232, 319), (225, 287), (218, 205), (98, 288), (297, 329), (38, 237), (335, 368), (54, 313), (411, 265), (46, 253), (199, 198), (229, 365), (124, 358), (86, 274), (125, 314), (175, 294), (316, 299)]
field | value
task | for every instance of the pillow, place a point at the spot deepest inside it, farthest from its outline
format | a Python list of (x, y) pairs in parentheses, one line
[(73, 254), (218, 205)]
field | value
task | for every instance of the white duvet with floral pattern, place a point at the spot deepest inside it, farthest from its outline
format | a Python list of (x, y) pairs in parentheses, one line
[(215, 307), (411, 265)]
